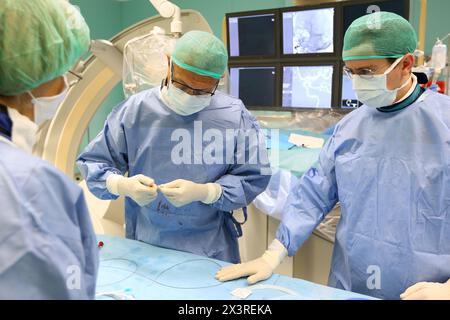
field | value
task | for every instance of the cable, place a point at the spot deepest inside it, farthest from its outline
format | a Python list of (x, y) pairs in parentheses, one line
[(135, 272)]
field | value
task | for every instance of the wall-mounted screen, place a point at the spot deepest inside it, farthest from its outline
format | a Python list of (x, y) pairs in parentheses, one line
[(302, 47), (252, 35), (255, 86), (308, 31), (307, 86)]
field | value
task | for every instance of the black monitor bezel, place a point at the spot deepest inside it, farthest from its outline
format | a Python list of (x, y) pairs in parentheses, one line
[(308, 64), (244, 14), (279, 60), (275, 93), (309, 55)]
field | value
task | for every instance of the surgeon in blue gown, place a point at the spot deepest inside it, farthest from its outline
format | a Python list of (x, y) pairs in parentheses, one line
[(182, 147), (388, 164), (47, 243)]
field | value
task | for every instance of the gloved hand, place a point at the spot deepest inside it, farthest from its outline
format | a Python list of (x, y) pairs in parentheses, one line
[(257, 270), (427, 291), (140, 188), (182, 192)]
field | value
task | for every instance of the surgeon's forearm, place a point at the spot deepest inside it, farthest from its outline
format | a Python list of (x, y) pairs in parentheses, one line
[(240, 186), (294, 238), (298, 222), (96, 182), (236, 196)]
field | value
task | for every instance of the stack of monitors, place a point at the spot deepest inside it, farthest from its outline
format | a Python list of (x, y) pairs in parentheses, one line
[(290, 58)]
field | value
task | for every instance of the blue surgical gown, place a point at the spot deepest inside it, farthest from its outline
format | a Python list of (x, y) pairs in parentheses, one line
[(47, 243), (391, 174), (141, 136)]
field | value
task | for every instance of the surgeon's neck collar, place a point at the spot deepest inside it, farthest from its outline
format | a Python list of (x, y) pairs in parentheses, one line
[(410, 97)]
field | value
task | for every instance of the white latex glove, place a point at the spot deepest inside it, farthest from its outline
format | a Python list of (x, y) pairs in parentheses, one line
[(140, 188), (182, 192), (258, 269), (427, 291)]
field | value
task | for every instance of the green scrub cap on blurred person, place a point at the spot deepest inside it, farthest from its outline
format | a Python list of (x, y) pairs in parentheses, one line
[(202, 53), (379, 35), (39, 41)]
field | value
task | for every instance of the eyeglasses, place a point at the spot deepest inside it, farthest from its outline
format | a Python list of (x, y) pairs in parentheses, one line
[(363, 73), (190, 90), (367, 73), (77, 76)]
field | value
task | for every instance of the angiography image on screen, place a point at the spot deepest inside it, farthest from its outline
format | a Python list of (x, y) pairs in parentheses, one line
[(307, 86), (308, 31)]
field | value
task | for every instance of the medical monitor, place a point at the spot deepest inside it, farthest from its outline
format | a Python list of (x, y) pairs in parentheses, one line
[(252, 35), (255, 86), (307, 86), (308, 31)]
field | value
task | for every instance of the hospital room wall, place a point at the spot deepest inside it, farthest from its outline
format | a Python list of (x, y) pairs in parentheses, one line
[(438, 20), (437, 25), (212, 10)]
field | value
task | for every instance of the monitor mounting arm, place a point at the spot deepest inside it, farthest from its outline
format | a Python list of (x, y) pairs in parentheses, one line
[(168, 10)]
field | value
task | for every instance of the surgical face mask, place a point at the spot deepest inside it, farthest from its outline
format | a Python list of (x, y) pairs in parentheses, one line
[(24, 131), (45, 107), (373, 91), (183, 103)]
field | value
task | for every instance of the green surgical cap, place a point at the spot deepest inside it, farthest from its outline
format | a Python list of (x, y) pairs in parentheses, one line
[(379, 35), (39, 41), (202, 53)]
